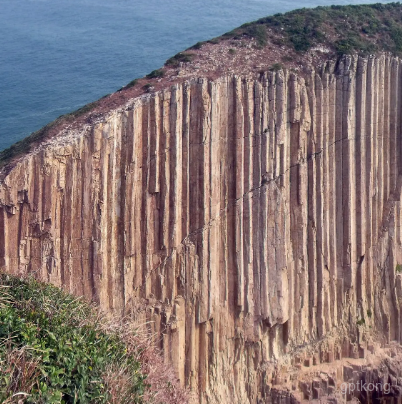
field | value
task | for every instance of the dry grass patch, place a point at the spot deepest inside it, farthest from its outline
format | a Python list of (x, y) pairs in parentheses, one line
[(55, 348)]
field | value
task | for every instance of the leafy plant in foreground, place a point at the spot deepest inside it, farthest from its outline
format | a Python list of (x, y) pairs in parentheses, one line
[(53, 350)]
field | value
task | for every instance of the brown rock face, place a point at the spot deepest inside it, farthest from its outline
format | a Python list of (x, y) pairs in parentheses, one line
[(257, 219)]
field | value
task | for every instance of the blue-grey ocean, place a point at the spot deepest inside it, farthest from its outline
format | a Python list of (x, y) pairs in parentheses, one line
[(57, 55)]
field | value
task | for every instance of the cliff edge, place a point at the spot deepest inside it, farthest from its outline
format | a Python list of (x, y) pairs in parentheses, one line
[(244, 201)]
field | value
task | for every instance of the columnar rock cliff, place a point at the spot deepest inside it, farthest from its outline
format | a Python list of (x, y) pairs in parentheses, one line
[(256, 219)]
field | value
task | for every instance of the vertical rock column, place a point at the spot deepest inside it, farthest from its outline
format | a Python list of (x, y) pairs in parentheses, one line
[(247, 217)]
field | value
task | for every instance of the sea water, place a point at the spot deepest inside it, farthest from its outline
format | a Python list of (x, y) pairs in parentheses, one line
[(57, 55)]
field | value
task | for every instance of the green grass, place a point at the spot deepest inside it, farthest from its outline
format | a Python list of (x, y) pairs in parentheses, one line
[(214, 41), (53, 349), (198, 45), (361, 28), (257, 31), (276, 67), (182, 57), (131, 84), (156, 74), (24, 145)]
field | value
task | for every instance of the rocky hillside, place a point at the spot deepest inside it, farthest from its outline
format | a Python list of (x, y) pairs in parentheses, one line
[(243, 201), (284, 40)]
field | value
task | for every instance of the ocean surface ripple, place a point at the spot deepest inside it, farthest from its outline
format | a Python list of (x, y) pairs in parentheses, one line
[(57, 55)]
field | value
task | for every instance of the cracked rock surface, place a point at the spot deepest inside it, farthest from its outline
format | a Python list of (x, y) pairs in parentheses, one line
[(254, 221)]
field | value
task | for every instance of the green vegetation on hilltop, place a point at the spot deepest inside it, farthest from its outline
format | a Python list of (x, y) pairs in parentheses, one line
[(54, 349), (181, 57), (364, 29), (156, 74), (24, 145), (361, 28)]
